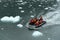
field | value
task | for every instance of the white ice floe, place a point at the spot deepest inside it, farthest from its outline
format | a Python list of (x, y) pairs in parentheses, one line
[(55, 5), (32, 16), (39, 5), (46, 8), (31, 11), (30, 5), (2, 28), (22, 11), (20, 0), (11, 19), (37, 33), (20, 7), (23, 3), (0, 0), (49, 38), (19, 25)]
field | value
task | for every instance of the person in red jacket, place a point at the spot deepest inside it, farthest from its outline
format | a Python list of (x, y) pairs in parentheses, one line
[(32, 21), (38, 22)]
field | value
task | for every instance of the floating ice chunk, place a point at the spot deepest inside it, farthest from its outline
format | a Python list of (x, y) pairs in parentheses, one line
[(32, 16), (2, 28), (39, 5), (20, 0), (5, 5), (16, 19), (46, 1), (20, 7), (11, 19), (0, 0), (5, 18), (46, 8), (31, 11), (22, 11), (30, 5), (20, 25), (37, 33), (55, 5), (49, 38), (23, 3)]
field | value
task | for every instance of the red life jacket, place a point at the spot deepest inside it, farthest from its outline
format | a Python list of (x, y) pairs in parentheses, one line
[(33, 20)]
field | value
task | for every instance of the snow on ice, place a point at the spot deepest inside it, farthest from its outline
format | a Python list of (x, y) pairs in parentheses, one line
[(37, 33), (19, 25), (11, 19)]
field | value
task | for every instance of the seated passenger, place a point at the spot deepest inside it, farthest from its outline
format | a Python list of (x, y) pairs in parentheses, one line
[(37, 23), (32, 21)]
